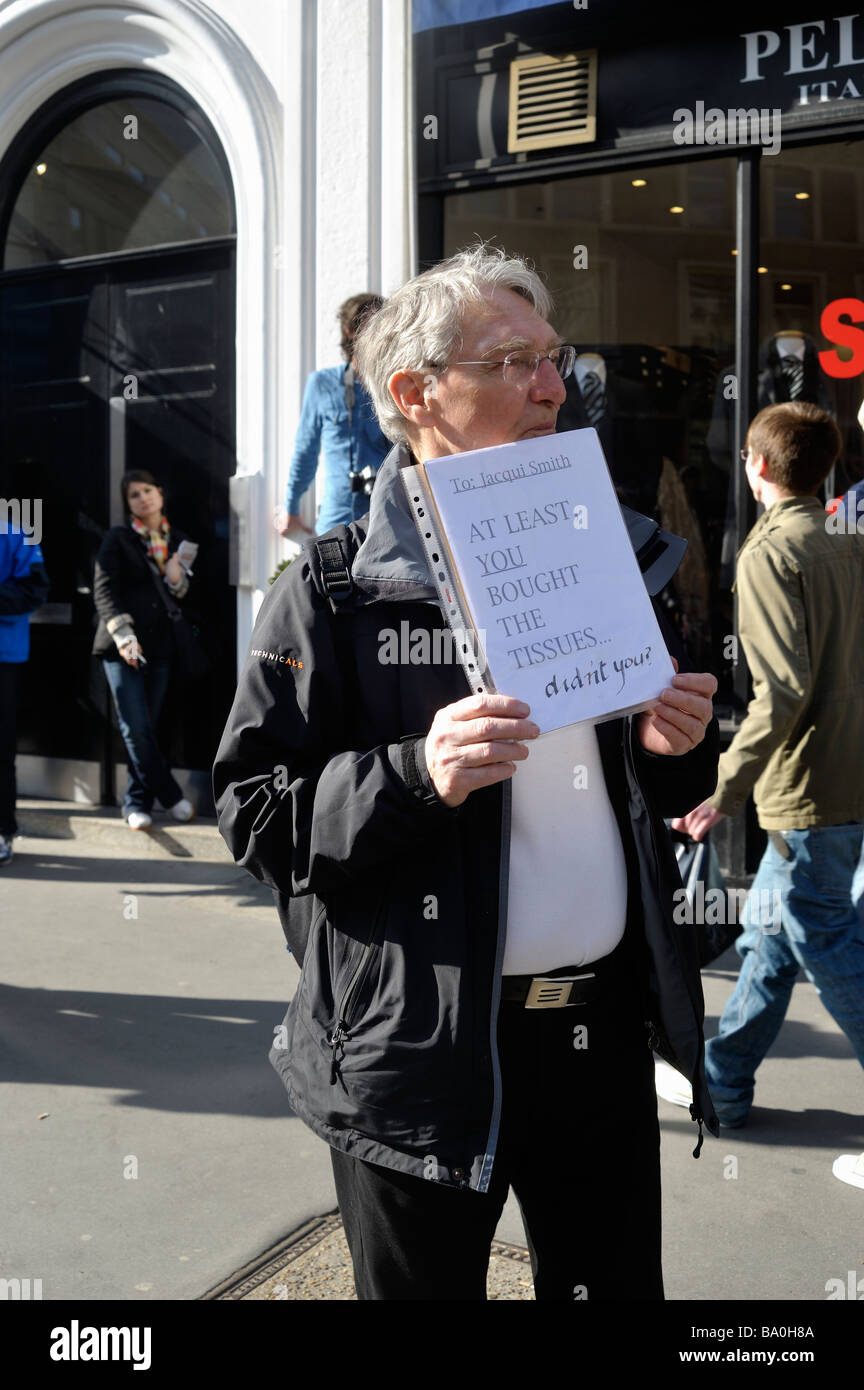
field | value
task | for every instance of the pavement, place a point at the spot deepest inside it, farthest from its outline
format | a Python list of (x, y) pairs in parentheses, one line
[(149, 1151)]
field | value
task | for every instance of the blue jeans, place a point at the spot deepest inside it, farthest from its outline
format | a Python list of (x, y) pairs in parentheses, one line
[(858, 889), (138, 697), (818, 929)]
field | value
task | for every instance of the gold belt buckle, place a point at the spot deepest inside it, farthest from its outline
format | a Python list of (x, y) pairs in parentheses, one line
[(544, 992)]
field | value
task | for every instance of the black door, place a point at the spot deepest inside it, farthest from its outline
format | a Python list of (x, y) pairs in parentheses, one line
[(123, 363)]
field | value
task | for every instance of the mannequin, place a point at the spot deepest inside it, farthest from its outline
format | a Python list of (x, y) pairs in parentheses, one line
[(590, 372), (590, 362), (624, 417), (790, 343)]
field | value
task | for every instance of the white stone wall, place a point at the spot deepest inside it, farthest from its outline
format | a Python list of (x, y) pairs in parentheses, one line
[(310, 101)]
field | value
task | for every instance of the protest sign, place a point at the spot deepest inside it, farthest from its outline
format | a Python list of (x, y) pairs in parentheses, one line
[(532, 537)]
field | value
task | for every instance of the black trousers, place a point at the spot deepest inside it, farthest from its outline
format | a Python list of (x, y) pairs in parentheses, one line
[(580, 1146), (8, 693)]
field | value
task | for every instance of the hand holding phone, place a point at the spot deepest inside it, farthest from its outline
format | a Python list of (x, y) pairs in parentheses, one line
[(186, 553), (132, 654)]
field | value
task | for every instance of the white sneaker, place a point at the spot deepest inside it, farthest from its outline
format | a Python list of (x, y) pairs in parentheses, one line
[(184, 810), (138, 820), (849, 1168), (671, 1085)]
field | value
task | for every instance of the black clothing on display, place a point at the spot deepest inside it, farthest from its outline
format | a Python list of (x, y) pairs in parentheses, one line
[(628, 428)]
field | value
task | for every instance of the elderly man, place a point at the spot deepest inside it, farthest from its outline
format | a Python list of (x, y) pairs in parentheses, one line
[(432, 858)]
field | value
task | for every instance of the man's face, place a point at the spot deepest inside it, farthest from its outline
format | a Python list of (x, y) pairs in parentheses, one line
[(474, 407)]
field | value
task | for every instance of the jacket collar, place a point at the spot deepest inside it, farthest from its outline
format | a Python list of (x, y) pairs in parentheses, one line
[(391, 562), (778, 512)]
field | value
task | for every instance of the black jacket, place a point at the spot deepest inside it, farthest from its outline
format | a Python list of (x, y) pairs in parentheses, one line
[(388, 1050), (124, 585)]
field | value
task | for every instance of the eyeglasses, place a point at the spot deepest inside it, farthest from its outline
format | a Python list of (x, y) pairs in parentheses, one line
[(521, 367), (745, 454)]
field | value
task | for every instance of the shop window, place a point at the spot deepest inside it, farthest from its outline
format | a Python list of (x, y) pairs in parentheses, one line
[(838, 205), (640, 266), (711, 194), (793, 202), (811, 259), (123, 175), (642, 198)]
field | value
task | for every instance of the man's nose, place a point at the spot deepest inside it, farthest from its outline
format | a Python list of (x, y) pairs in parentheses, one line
[(547, 384)]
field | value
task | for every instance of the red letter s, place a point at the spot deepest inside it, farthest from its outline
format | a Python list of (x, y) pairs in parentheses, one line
[(844, 333)]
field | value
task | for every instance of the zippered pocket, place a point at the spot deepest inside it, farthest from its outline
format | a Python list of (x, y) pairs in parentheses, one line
[(347, 1008)]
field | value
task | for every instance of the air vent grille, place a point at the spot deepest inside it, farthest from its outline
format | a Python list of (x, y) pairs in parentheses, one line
[(553, 101)]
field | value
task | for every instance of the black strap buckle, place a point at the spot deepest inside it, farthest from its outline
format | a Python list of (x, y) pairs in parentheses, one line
[(335, 576)]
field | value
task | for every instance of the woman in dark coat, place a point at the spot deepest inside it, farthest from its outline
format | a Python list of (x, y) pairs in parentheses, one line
[(135, 638)]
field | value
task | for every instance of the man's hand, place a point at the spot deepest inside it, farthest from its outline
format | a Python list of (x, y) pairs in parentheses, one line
[(288, 522), (697, 822), (678, 720), (467, 746)]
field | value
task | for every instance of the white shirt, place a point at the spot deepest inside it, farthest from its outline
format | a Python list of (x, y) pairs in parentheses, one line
[(568, 876)]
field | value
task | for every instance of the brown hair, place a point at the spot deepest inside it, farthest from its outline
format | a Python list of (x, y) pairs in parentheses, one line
[(352, 315), (799, 442)]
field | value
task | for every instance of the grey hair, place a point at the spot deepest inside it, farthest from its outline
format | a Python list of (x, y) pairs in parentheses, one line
[(420, 325)]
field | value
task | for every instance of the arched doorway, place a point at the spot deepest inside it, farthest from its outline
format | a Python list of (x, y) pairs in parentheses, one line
[(116, 352)]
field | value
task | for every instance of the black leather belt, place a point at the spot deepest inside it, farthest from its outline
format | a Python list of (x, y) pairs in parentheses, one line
[(577, 985)]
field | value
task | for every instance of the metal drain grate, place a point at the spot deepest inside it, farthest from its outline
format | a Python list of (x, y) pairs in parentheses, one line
[(314, 1264)]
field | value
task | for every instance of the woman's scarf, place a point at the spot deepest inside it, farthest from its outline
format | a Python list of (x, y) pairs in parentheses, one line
[(157, 541)]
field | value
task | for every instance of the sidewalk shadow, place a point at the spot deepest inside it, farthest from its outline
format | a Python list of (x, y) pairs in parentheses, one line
[(201, 876), (803, 1129), (189, 1055)]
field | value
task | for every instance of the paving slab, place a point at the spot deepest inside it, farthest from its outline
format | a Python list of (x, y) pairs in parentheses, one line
[(149, 1151)]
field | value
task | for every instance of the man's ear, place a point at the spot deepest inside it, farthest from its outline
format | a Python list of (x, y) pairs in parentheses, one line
[(412, 392), (761, 467)]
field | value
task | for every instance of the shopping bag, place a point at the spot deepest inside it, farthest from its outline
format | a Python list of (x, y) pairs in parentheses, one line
[(700, 874)]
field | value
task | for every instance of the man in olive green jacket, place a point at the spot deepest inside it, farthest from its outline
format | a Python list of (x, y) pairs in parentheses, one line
[(800, 586)]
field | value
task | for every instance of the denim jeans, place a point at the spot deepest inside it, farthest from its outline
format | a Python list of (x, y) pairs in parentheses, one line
[(138, 697), (858, 889), (819, 930)]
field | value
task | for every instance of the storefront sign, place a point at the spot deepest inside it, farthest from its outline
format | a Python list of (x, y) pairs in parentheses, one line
[(846, 334), (817, 46), (799, 74)]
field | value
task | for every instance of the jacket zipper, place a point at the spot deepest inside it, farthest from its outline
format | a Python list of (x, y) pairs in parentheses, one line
[(341, 1033), (503, 894)]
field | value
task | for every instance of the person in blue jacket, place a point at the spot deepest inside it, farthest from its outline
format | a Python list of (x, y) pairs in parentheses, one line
[(338, 416), (23, 588)]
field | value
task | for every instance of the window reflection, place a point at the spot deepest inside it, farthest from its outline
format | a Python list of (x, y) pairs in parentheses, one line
[(122, 176), (652, 316), (812, 258)]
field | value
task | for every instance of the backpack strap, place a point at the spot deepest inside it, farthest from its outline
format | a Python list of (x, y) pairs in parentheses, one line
[(334, 568), (331, 557)]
